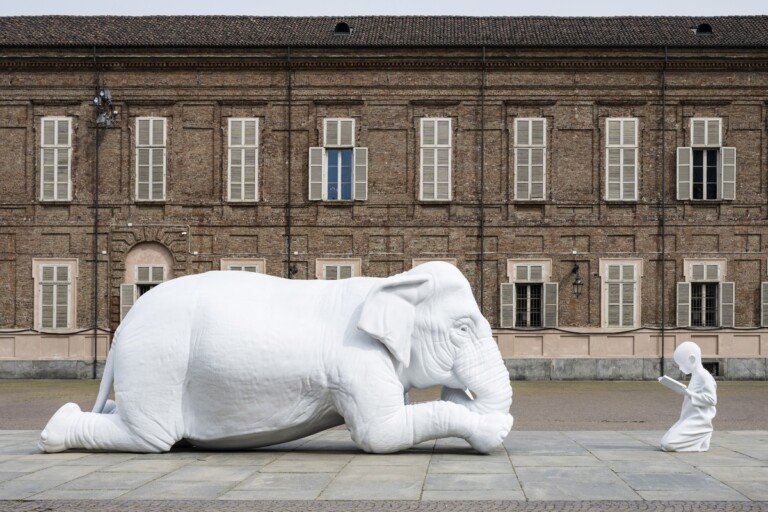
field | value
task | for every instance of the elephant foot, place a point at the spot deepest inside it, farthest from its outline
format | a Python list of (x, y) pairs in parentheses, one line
[(54, 435), (491, 431)]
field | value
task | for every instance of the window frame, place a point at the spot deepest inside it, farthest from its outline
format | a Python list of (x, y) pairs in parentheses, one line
[(712, 271), (38, 266), (705, 133), (259, 264), (622, 146), (57, 148), (521, 272), (436, 149), (321, 264), (244, 148), (529, 147), (151, 147), (344, 139), (607, 281)]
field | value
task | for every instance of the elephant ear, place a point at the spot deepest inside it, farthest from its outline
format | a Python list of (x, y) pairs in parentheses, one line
[(389, 312)]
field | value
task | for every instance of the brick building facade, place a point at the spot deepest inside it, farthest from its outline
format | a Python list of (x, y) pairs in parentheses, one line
[(602, 182)]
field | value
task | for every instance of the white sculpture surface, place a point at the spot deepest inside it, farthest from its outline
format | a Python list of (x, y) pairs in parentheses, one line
[(235, 360), (693, 430)]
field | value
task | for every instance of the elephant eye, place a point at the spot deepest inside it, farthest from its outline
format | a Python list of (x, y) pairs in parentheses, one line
[(464, 329)]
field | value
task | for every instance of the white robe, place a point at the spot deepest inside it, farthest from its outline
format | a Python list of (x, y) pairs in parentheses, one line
[(693, 430)]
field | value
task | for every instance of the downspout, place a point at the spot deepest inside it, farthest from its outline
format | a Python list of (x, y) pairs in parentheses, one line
[(662, 217), (95, 247), (289, 268), (482, 183)]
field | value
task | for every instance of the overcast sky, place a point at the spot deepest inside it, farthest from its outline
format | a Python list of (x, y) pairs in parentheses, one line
[(396, 7)]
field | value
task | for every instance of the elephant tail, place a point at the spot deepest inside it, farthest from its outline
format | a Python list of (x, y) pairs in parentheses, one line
[(106, 384)]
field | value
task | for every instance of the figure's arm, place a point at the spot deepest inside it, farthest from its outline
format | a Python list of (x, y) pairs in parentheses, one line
[(704, 392)]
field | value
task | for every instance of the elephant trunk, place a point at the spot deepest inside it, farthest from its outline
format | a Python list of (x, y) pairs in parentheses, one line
[(488, 379)]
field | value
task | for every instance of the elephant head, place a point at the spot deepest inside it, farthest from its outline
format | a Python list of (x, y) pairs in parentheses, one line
[(430, 322)]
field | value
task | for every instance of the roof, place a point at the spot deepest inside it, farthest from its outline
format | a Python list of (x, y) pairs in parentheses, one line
[(381, 31)]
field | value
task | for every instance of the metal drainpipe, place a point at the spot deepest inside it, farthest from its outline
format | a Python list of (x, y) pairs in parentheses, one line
[(96, 231), (482, 183), (662, 218), (290, 162)]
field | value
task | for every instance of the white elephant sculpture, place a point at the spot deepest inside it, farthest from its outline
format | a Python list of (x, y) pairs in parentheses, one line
[(236, 360)]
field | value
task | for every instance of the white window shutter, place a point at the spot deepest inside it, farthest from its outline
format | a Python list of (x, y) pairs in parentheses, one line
[(549, 303), (428, 129), (316, 157), (522, 273), (628, 304), (698, 272), (361, 173), (143, 132), (614, 304), (522, 132), (764, 304), (507, 305), (331, 272), (613, 187), (684, 173), (712, 272), (443, 132), (127, 298), (683, 304), (347, 132), (523, 173), (157, 274), (537, 173), (727, 174), (714, 132), (143, 274), (727, 303), (538, 132), (443, 174)]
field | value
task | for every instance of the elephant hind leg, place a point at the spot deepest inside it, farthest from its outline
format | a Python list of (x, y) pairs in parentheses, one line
[(70, 428)]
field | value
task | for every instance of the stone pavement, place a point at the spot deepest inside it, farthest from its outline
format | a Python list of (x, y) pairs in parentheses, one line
[(535, 470)]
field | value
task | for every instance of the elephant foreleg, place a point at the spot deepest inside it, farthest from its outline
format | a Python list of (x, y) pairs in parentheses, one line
[(70, 428), (413, 424)]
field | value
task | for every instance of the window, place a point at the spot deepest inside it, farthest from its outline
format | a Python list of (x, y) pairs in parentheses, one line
[(55, 286), (332, 269), (621, 159), (705, 170), (620, 292), (338, 171), (243, 159), (529, 301), (56, 159), (245, 265), (530, 158), (150, 158), (704, 300), (147, 277), (435, 167)]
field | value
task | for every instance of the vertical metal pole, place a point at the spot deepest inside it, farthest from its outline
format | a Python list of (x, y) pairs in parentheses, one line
[(482, 183), (95, 279), (662, 218)]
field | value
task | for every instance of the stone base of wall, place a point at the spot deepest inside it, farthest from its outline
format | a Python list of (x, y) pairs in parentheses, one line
[(63, 369), (629, 368)]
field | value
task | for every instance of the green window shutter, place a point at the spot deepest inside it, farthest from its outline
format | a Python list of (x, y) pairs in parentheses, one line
[(507, 305), (683, 304), (361, 173), (727, 303), (316, 157), (727, 174), (684, 173), (550, 305), (127, 298)]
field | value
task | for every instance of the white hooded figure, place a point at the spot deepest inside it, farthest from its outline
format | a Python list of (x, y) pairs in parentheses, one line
[(693, 430)]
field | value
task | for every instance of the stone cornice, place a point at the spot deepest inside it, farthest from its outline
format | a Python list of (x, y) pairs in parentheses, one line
[(167, 62)]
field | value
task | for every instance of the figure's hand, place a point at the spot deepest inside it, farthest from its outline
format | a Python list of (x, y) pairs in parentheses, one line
[(491, 431)]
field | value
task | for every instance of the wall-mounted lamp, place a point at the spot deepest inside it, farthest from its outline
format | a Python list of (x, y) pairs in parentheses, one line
[(578, 282), (105, 117)]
